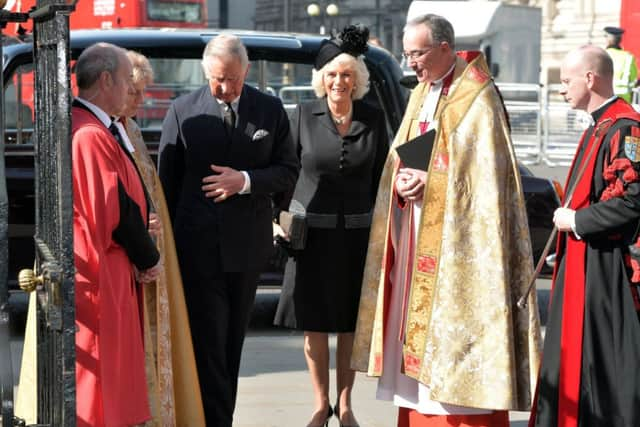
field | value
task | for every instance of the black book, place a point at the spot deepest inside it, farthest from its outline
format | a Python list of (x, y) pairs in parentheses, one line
[(416, 153)]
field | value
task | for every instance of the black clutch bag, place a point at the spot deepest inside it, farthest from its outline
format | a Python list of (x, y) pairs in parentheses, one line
[(295, 226)]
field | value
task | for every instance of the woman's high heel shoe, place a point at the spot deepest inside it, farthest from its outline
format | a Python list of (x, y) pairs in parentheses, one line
[(329, 415), (336, 411)]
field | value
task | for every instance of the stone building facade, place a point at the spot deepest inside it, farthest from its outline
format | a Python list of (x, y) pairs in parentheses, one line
[(566, 24), (385, 18)]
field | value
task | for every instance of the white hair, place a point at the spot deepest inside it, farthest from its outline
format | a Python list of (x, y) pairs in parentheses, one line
[(361, 86), (224, 45)]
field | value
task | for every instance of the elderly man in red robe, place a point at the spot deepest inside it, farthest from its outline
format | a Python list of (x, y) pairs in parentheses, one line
[(114, 252)]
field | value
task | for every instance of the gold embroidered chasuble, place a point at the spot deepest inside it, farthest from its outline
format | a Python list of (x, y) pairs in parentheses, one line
[(465, 338), (174, 390)]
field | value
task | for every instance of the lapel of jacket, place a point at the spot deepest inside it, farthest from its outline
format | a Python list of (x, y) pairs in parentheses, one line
[(358, 121), (240, 140), (245, 110), (211, 107), (321, 111)]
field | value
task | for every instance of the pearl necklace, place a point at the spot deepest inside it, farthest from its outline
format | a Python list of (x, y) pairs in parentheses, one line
[(341, 120)]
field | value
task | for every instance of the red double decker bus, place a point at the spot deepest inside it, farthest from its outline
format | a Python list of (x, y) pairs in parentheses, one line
[(105, 14)]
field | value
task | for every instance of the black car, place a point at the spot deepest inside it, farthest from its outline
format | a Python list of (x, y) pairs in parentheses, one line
[(280, 64)]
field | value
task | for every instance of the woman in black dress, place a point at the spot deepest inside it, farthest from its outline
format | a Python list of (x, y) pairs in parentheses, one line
[(342, 145)]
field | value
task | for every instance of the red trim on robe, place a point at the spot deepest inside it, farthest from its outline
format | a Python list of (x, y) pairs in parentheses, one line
[(412, 418), (574, 281)]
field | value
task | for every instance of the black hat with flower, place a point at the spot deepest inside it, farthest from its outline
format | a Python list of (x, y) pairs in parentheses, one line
[(352, 40)]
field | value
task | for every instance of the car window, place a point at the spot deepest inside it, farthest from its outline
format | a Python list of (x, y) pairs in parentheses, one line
[(288, 81), (177, 76), (18, 99)]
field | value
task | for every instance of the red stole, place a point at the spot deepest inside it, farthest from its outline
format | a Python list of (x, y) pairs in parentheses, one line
[(574, 276)]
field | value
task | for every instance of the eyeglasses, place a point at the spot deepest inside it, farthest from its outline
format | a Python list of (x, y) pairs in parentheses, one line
[(415, 54)]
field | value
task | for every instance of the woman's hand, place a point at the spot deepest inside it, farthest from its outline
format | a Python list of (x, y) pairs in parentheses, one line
[(150, 274), (410, 183), (155, 226), (278, 231)]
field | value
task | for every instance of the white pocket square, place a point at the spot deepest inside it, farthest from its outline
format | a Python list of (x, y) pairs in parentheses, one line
[(259, 134)]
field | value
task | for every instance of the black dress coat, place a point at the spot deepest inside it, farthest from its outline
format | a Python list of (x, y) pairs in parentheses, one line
[(223, 246), (337, 188), (194, 138), (609, 389)]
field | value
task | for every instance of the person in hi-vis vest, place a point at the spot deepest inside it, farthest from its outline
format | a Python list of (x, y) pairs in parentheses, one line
[(625, 71)]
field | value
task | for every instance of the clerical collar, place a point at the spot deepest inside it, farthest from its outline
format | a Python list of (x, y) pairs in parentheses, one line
[(445, 75), (436, 89), (598, 112), (97, 111)]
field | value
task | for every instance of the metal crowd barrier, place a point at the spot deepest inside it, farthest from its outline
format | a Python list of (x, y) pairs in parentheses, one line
[(524, 105), (563, 127), (543, 126)]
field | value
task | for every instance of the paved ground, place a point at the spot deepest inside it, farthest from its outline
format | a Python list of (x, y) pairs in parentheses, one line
[(274, 388)]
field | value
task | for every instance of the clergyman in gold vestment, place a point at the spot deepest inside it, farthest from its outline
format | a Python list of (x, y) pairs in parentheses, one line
[(450, 253), (172, 378)]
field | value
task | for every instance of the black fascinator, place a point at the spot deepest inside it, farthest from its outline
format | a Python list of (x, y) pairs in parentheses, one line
[(352, 40)]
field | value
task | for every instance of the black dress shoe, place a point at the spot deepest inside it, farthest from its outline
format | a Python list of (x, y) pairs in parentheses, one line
[(336, 411), (329, 415)]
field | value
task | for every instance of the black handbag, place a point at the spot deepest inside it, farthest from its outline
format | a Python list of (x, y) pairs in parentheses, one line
[(295, 227)]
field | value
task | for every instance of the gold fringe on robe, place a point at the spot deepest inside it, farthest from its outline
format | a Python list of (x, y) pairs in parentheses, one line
[(465, 338), (174, 390)]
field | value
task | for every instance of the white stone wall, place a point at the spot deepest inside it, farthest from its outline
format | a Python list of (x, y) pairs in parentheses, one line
[(567, 24)]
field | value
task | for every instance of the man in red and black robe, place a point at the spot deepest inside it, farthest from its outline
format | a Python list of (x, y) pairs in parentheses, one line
[(590, 373), (114, 252)]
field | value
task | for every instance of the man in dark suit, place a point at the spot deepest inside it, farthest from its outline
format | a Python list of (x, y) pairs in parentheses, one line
[(225, 149)]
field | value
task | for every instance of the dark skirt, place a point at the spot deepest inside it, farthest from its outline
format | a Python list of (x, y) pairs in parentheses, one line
[(321, 286)]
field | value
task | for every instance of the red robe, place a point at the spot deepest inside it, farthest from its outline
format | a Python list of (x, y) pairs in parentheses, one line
[(110, 370), (590, 372)]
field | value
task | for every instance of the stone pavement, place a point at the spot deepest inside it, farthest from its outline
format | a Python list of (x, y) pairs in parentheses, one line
[(274, 387), (275, 390)]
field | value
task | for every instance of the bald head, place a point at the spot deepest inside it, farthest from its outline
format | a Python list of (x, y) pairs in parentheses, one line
[(587, 77), (592, 58)]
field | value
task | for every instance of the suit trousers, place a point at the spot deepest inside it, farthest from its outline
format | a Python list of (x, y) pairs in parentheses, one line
[(219, 312)]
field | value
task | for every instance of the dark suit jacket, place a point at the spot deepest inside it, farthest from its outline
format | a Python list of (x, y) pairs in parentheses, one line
[(193, 138), (339, 174)]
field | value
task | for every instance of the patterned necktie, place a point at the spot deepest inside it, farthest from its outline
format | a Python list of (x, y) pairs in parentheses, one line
[(229, 117)]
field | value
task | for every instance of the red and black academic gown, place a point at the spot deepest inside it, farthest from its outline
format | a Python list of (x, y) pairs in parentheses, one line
[(110, 237), (590, 373)]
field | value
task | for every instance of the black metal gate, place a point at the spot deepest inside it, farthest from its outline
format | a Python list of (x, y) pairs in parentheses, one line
[(53, 276), (6, 366), (6, 370)]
